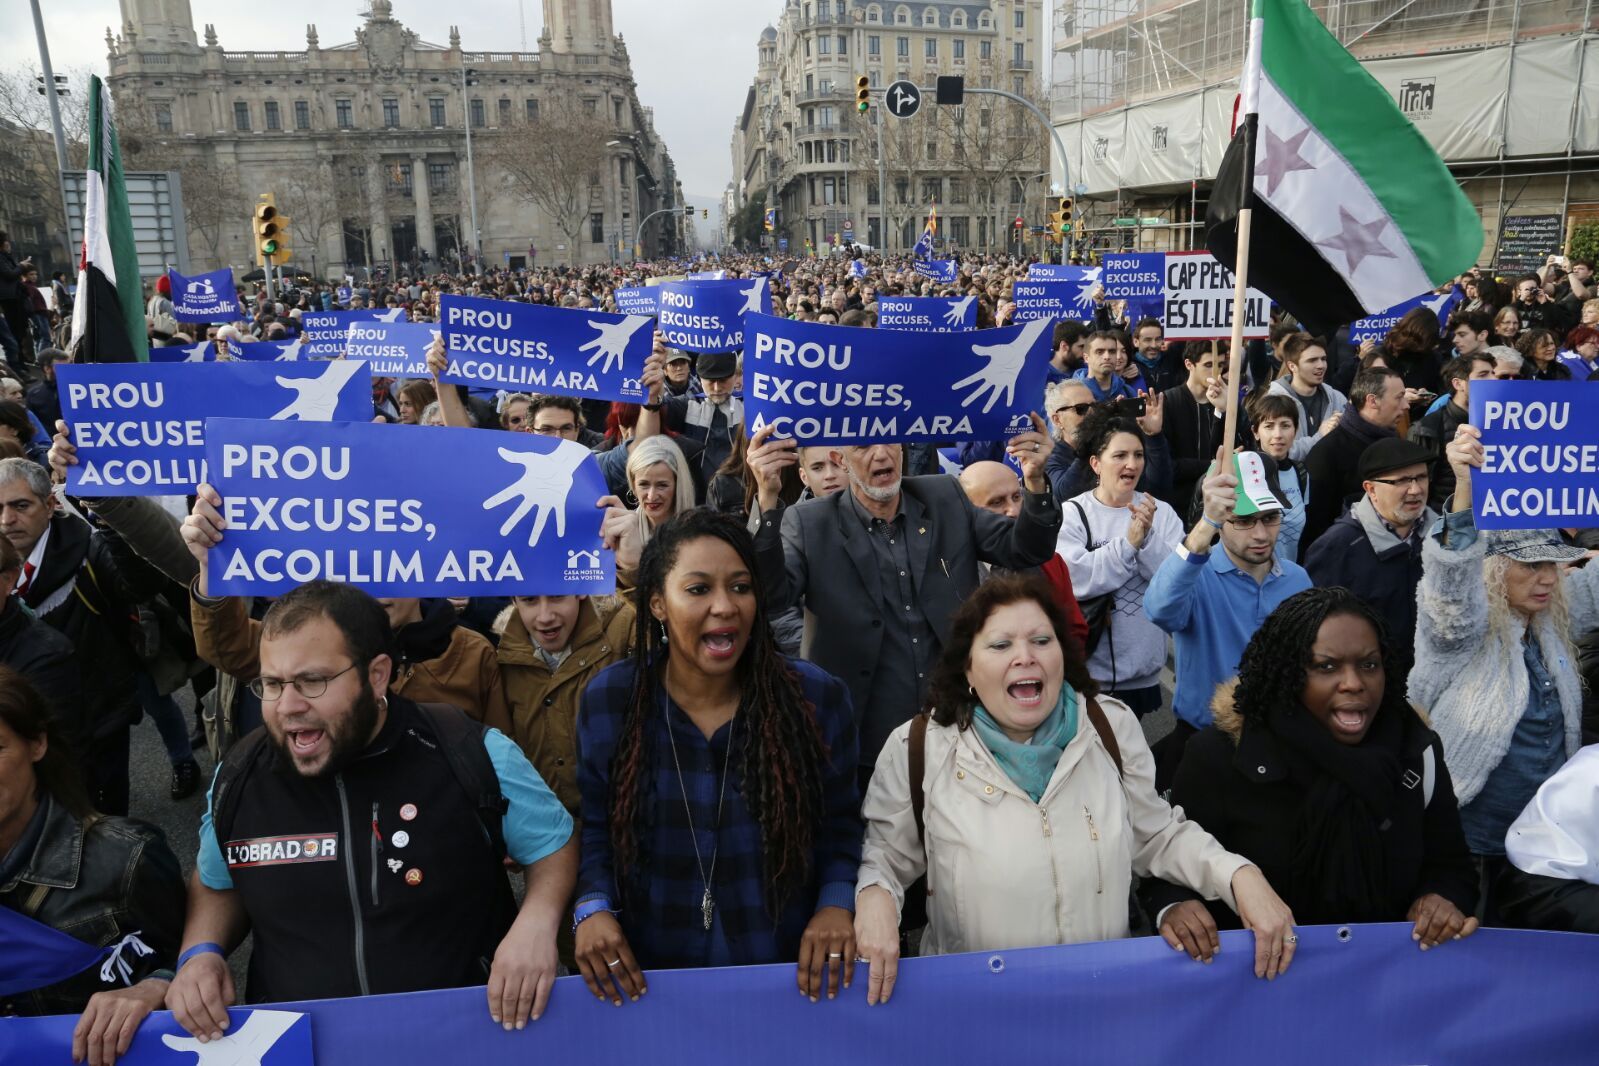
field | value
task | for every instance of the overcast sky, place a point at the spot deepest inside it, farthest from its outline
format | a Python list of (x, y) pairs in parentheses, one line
[(693, 59)]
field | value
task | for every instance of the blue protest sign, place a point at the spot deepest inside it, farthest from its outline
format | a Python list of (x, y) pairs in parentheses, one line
[(927, 314), (324, 332), (638, 301), (857, 268), (708, 275), (534, 348), (1072, 300), (1541, 454), (268, 351), (203, 352), (1062, 272), (1134, 276), (140, 427), (834, 384), (204, 297), (478, 513), (938, 269), (1358, 994), (1375, 327), (391, 349), (782, 244), (708, 316)]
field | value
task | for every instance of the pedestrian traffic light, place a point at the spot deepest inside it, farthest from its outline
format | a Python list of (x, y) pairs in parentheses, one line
[(266, 227), (863, 94)]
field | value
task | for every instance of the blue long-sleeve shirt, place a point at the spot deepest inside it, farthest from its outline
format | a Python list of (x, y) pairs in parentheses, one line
[(1211, 608)]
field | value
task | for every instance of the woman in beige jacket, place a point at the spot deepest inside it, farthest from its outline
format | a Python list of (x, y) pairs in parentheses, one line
[(1029, 835)]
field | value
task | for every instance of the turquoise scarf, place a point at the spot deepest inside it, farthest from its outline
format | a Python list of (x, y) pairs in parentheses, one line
[(1031, 765)]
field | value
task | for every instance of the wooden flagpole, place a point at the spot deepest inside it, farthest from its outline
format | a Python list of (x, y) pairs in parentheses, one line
[(1250, 92)]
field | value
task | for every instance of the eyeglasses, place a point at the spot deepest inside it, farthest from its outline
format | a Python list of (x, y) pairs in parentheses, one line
[(270, 689), (1270, 519), (556, 431), (1078, 409), (1413, 481)]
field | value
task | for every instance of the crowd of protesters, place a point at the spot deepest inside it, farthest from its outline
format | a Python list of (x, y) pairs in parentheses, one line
[(911, 664)]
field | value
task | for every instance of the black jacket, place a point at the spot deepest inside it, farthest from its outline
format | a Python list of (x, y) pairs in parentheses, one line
[(44, 400), (87, 588), (1435, 431), (1333, 465), (366, 915), (1359, 553), (40, 654), (1533, 901), (98, 884), (10, 279), (1193, 432), (1234, 781)]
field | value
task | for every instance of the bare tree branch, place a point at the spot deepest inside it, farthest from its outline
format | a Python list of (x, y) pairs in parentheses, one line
[(554, 162)]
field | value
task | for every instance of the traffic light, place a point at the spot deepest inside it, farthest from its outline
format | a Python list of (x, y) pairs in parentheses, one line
[(285, 250), (688, 211), (1063, 220), (863, 94), (705, 213), (266, 228)]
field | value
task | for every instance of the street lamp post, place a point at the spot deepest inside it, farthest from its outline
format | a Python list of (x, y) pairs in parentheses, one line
[(471, 170), (52, 92)]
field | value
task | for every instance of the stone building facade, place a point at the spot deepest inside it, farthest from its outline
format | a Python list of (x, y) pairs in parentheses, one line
[(800, 146), (364, 143)]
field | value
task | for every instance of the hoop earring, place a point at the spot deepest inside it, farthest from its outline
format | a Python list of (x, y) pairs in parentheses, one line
[(970, 691)]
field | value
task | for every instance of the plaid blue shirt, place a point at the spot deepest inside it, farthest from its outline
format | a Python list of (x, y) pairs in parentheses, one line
[(663, 922)]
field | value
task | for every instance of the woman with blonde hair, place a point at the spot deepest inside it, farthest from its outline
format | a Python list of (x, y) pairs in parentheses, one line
[(1496, 669), (658, 482)]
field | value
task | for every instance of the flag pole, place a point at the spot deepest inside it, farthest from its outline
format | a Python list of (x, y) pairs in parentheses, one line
[(1249, 89)]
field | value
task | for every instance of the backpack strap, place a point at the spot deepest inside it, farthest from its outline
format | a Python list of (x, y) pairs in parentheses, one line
[(236, 766), (1107, 736), (1088, 533), (1429, 775), (918, 768), (461, 740)]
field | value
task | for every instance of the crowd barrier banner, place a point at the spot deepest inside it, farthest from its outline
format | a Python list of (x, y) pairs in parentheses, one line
[(205, 297), (391, 349), (927, 314), (268, 351), (1375, 327), (473, 512), (1541, 463), (140, 427), (1199, 301), (943, 270), (708, 316), (638, 301), (1139, 276), (323, 332), (1358, 996), (1066, 300), (838, 385), (200, 352), (534, 348)]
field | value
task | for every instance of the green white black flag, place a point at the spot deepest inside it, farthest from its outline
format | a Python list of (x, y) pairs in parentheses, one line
[(108, 319), (1353, 210)]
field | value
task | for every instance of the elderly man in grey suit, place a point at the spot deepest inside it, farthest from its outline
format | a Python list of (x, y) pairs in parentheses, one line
[(880, 568)]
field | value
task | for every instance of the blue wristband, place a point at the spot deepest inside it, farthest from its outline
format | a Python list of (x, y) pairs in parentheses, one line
[(207, 948), (589, 909)]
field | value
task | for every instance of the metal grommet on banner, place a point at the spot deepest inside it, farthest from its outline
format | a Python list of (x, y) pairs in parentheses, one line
[(1345, 934), (996, 964)]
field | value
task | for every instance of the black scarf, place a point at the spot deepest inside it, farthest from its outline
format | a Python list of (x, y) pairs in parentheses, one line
[(1350, 861), (428, 637)]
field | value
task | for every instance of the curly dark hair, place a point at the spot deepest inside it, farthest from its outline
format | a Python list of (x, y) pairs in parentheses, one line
[(1271, 673), (780, 754), (1098, 426), (949, 697)]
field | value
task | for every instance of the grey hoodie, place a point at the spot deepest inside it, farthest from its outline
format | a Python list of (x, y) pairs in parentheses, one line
[(1336, 402)]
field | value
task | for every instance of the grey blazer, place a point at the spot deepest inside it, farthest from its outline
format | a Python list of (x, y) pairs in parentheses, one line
[(815, 555)]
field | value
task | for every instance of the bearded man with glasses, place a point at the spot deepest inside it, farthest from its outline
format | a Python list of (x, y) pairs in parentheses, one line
[(1374, 549)]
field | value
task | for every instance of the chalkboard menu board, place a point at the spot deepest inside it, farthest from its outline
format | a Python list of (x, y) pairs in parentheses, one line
[(1526, 242)]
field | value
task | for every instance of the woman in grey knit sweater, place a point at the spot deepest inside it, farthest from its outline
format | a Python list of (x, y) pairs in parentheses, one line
[(1495, 666)]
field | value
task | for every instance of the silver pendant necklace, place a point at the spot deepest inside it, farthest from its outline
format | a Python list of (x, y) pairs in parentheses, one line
[(707, 902)]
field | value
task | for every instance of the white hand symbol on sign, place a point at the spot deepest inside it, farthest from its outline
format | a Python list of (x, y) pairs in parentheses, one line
[(1086, 291), (317, 397), (957, 311), (752, 297), (545, 482), (244, 1047), (611, 344), (291, 354), (1005, 362), (197, 353), (393, 314)]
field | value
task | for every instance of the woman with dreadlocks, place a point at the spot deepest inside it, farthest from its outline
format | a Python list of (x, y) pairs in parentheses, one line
[(717, 783), (1318, 770)]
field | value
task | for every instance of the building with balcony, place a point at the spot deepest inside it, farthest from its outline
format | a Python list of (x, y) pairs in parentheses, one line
[(1142, 94), (365, 146), (800, 146)]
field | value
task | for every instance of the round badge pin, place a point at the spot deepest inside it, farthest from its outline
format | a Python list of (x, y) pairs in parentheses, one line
[(310, 848), (400, 838), (413, 876), (408, 812)]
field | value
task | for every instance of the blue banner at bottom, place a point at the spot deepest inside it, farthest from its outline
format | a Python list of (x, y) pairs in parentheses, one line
[(1354, 996)]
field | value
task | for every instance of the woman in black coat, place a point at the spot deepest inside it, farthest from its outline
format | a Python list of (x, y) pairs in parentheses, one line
[(1319, 772)]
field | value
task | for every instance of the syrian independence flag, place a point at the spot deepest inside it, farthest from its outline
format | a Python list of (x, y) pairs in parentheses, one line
[(1353, 210), (108, 320)]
